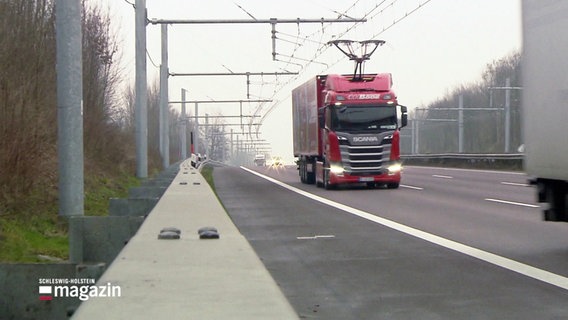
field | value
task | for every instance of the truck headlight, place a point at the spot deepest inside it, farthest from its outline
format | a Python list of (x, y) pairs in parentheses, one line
[(395, 168), (336, 169)]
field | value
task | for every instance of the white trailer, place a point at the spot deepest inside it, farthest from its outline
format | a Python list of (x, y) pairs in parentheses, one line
[(545, 102)]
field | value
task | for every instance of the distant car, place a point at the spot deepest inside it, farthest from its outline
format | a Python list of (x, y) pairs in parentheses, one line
[(260, 160)]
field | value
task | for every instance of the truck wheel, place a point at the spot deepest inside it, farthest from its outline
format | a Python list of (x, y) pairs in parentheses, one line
[(310, 177), (556, 195)]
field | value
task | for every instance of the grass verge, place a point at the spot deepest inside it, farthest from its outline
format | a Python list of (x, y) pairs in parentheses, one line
[(207, 173), (32, 231)]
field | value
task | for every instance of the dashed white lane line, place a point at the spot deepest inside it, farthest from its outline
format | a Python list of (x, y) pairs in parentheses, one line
[(515, 184), (410, 187), (442, 176), (319, 236), (520, 204), (506, 263)]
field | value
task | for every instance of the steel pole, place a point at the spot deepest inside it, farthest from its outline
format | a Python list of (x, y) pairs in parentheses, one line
[(141, 100), (69, 61), (206, 136), (460, 125), (69, 107), (196, 132), (413, 138), (164, 110), (417, 139), (507, 115), (183, 134), (232, 147)]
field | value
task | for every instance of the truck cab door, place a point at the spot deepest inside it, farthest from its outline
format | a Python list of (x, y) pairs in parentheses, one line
[(325, 124)]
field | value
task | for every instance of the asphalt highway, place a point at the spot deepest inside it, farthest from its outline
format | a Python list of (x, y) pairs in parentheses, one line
[(448, 244)]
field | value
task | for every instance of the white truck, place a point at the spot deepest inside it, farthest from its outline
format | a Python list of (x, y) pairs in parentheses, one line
[(545, 102)]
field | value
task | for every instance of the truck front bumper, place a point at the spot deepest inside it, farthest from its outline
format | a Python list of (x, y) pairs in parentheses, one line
[(391, 175)]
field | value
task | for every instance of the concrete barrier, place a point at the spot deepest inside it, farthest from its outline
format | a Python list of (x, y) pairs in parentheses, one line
[(20, 289), (131, 207), (103, 237), (188, 278)]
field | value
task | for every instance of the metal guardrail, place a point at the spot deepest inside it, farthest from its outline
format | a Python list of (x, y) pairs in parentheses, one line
[(518, 156), (512, 161)]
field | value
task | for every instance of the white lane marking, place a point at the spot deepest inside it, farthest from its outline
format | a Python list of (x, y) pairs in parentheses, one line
[(322, 236), (442, 176), (513, 203), (515, 184), (506, 263), (410, 187)]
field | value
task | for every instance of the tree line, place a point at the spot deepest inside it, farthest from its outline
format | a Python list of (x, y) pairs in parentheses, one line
[(484, 130), (28, 104)]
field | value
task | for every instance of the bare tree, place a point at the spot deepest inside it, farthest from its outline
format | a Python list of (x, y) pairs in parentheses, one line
[(483, 130), (28, 107), (27, 94)]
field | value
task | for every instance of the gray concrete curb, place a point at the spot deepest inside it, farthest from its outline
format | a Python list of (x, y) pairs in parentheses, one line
[(188, 278)]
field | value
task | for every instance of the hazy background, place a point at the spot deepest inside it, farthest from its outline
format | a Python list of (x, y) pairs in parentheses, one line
[(432, 47)]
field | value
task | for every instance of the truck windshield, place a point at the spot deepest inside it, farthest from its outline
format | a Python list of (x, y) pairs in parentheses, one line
[(363, 118)]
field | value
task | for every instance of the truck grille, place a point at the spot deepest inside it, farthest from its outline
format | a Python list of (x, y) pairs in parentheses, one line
[(359, 160)]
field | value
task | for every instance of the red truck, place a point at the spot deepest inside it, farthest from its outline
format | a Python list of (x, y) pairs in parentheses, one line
[(346, 130)]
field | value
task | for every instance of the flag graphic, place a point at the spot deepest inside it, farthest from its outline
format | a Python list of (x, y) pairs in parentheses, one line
[(45, 293)]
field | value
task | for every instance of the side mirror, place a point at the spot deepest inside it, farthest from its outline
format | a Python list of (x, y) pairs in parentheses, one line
[(403, 116)]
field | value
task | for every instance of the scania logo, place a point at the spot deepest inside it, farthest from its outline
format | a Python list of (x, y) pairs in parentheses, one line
[(365, 139)]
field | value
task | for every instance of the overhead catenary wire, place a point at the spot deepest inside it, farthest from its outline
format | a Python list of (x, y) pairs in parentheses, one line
[(323, 49), (323, 46), (322, 31), (151, 60), (290, 58), (301, 41), (130, 3)]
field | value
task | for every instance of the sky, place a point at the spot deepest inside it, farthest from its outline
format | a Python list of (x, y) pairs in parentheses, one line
[(432, 46)]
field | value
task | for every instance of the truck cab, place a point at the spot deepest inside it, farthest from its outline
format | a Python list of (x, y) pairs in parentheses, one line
[(359, 131)]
